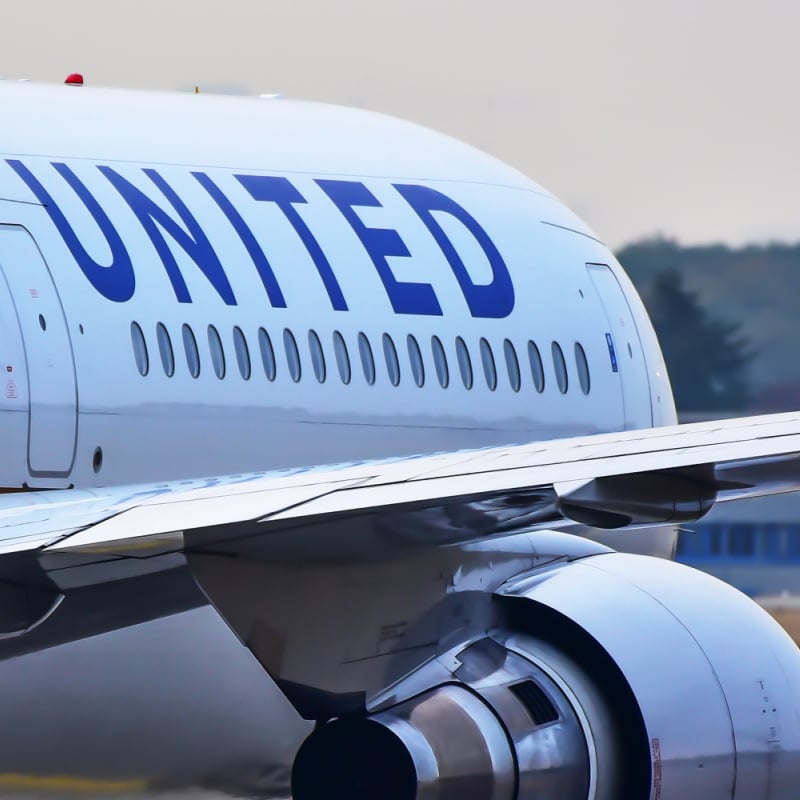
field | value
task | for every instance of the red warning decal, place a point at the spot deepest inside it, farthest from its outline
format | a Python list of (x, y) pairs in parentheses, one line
[(656, 747)]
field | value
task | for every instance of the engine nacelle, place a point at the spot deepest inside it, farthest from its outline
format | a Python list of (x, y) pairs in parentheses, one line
[(613, 676)]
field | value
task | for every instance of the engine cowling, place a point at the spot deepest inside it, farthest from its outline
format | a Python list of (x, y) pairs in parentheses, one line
[(613, 676)]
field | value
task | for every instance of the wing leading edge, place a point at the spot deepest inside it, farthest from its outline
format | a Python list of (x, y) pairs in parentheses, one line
[(634, 478)]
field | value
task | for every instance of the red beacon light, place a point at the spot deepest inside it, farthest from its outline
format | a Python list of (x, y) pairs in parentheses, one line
[(74, 79)]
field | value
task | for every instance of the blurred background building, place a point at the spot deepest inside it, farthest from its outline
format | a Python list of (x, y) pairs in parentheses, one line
[(753, 544)]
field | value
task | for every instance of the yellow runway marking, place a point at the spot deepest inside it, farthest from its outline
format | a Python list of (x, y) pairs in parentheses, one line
[(58, 784)]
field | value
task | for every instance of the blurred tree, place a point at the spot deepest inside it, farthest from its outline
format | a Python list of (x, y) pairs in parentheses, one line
[(707, 358), (756, 285)]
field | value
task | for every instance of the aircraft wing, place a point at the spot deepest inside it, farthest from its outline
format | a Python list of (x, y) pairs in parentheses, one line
[(632, 478), (141, 551)]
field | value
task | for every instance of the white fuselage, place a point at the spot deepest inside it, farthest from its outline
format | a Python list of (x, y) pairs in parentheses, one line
[(272, 221), (196, 286)]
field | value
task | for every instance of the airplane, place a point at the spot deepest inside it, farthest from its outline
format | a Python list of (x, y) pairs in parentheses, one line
[(340, 459)]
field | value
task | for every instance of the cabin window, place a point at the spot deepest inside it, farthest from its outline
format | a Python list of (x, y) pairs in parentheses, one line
[(292, 355), (512, 365), (139, 349), (560, 366), (367, 359), (317, 356), (415, 359), (489, 368), (582, 366), (464, 362), (242, 353), (165, 350), (267, 354), (440, 362), (217, 353), (342, 357), (191, 351), (392, 362), (537, 368)]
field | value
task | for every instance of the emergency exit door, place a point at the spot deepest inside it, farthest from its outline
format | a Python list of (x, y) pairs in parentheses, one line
[(52, 387), (625, 348)]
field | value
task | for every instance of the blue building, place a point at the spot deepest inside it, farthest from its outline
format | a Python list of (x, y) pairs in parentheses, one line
[(752, 544)]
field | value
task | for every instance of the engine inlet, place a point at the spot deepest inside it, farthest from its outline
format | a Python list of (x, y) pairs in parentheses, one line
[(446, 744)]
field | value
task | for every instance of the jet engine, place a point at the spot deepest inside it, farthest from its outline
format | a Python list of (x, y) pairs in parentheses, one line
[(614, 676)]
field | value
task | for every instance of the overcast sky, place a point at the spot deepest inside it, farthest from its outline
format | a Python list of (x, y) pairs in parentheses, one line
[(680, 118)]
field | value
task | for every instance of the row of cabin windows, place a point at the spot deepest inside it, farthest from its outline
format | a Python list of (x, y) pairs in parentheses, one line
[(365, 357), (737, 541)]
